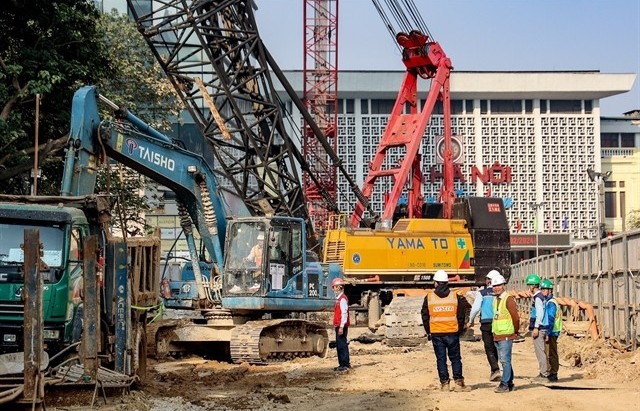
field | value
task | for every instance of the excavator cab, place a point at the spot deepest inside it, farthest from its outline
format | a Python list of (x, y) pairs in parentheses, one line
[(267, 267)]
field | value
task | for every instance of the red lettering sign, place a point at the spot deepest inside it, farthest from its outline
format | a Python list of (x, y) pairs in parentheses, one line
[(493, 207), (494, 174), (523, 240)]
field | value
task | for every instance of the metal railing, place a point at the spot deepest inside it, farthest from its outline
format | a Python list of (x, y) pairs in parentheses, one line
[(606, 277)]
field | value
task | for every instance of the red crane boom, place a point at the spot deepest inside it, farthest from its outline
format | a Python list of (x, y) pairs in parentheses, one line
[(426, 59)]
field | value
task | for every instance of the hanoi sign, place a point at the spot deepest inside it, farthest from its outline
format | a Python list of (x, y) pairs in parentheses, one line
[(494, 174)]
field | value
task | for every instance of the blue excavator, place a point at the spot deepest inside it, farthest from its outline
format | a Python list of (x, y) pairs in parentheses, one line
[(259, 275)]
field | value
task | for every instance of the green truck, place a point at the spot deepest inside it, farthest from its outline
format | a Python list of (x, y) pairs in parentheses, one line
[(75, 243)]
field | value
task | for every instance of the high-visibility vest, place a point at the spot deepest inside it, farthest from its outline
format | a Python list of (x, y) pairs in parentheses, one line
[(442, 313), (337, 312), (557, 322), (502, 322)]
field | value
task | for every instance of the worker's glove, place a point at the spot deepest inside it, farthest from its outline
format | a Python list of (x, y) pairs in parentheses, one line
[(428, 337)]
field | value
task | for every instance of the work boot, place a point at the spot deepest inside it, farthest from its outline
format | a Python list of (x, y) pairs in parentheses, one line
[(444, 386), (552, 377), (495, 376), (460, 387), (502, 388), (542, 378)]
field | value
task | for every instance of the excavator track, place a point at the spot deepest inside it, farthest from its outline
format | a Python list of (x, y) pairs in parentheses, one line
[(265, 341), (403, 321)]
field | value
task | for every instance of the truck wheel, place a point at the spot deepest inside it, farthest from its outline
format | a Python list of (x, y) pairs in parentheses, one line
[(140, 353)]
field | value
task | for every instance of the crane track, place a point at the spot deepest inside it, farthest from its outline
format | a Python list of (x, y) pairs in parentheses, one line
[(266, 341)]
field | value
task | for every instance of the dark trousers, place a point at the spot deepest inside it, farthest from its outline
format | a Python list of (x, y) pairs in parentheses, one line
[(552, 355), (489, 346), (443, 345), (342, 346)]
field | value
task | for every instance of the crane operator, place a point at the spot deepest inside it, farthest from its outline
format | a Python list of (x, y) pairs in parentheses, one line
[(254, 259), (256, 253)]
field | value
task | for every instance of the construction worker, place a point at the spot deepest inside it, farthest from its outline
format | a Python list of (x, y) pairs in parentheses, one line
[(483, 305), (443, 318), (256, 253), (505, 326), (535, 318), (341, 324), (552, 324)]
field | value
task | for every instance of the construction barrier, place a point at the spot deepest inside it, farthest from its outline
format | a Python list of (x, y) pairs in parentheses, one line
[(599, 282)]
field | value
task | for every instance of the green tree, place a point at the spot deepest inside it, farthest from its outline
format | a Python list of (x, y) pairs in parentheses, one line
[(633, 220), (51, 49), (137, 81), (125, 189), (47, 48)]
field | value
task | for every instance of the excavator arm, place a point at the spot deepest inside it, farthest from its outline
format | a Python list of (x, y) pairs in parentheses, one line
[(136, 145)]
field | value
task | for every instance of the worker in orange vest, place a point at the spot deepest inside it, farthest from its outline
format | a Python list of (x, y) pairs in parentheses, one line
[(444, 318)]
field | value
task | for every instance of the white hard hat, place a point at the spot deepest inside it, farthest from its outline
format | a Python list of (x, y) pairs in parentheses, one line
[(497, 280), (260, 236), (441, 276), (492, 274)]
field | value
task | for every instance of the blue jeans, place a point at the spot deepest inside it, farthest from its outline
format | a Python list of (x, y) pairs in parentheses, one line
[(504, 348), (342, 346), (443, 344)]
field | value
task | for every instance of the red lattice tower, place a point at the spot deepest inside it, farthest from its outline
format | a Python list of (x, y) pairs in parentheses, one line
[(320, 76)]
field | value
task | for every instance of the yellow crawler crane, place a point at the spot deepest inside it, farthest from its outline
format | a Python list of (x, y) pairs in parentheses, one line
[(384, 263)]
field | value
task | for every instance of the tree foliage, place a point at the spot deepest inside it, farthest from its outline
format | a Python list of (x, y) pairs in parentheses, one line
[(633, 220), (47, 48), (125, 189), (51, 49)]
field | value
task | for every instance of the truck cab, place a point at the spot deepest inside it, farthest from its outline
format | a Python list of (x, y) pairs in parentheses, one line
[(61, 232)]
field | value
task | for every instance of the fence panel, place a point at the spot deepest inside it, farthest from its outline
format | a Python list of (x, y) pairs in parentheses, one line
[(605, 275)]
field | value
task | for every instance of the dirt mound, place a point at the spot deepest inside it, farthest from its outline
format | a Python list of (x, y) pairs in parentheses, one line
[(599, 359)]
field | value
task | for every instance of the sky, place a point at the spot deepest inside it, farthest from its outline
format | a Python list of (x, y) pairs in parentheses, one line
[(480, 35)]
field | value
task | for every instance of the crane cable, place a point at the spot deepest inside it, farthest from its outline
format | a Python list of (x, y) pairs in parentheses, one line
[(405, 14)]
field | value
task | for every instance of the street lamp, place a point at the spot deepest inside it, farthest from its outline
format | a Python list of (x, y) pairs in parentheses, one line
[(536, 226), (599, 178)]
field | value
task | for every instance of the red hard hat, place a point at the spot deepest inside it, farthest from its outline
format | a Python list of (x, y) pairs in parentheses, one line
[(337, 281)]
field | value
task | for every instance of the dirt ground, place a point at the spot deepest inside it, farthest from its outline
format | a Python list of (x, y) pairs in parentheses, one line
[(593, 376)]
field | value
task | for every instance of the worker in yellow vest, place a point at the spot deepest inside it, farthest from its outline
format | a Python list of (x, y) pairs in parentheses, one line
[(505, 328), (444, 315)]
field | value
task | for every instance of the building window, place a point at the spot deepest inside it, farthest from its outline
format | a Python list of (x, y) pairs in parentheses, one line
[(456, 106), (350, 106), (484, 106), (506, 106), (627, 140), (588, 106), (543, 106), (364, 106), (621, 184), (528, 106), (379, 106), (341, 106), (608, 139), (468, 106), (610, 184), (437, 108), (610, 204), (566, 106), (623, 210)]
